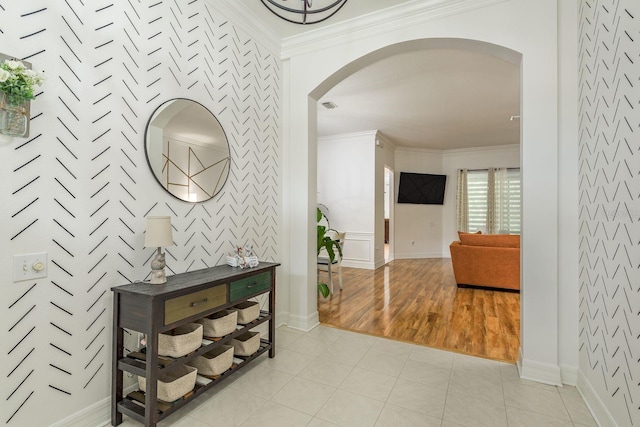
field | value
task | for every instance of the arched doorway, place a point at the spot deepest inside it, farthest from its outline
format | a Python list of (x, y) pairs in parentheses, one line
[(311, 68), (429, 85)]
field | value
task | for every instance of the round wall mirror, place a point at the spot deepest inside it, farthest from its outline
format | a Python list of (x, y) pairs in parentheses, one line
[(187, 150)]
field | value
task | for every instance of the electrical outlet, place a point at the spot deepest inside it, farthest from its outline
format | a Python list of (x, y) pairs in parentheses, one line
[(29, 266)]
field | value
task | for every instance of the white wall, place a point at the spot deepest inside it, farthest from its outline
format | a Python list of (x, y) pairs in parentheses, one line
[(432, 227), (567, 194), (350, 187), (319, 60), (79, 187), (385, 158), (347, 187), (418, 228)]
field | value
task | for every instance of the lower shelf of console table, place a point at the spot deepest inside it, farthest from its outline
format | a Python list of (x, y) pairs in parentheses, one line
[(154, 309), (133, 404)]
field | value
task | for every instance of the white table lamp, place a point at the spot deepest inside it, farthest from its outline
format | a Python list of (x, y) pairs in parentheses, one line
[(158, 235)]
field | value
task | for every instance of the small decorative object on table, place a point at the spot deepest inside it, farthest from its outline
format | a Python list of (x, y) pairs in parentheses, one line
[(243, 257), (17, 83), (158, 234)]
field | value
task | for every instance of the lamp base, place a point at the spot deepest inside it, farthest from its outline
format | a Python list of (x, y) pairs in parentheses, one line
[(158, 275)]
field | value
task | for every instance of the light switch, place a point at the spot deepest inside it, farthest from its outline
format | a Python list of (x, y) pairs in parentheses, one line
[(29, 266)]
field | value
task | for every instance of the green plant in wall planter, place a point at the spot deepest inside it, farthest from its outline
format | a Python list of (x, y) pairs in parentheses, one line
[(17, 85), (327, 243)]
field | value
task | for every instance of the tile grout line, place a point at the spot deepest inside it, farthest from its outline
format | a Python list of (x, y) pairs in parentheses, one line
[(386, 401)]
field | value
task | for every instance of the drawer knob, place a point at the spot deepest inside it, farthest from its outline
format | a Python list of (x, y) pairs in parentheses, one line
[(252, 285), (194, 303)]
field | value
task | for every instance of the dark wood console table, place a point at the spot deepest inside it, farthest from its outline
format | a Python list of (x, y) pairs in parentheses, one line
[(153, 309)]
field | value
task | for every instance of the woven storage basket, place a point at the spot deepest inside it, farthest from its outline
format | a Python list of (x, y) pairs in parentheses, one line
[(214, 362), (248, 311), (174, 385), (180, 341), (246, 344), (219, 324)]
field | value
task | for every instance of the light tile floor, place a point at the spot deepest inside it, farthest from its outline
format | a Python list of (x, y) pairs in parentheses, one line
[(329, 377)]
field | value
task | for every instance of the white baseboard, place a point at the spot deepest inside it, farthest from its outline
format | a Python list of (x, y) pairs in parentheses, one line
[(545, 373), (282, 318), (304, 323), (352, 263), (358, 264), (379, 263), (597, 407), (569, 374), (409, 255), (96, 415), (363, 264)]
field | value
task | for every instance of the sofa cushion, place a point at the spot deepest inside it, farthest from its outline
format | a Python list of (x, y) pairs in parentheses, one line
[(492, 240), (464, 232)]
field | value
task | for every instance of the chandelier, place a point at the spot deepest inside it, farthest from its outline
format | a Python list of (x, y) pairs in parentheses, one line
[(304, 11)]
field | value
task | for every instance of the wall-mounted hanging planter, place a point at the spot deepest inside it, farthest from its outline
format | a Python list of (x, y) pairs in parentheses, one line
[(17, 84), (14, 117)]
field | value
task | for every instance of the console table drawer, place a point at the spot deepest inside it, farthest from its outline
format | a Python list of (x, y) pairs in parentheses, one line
[(250, 285), (179, 308)]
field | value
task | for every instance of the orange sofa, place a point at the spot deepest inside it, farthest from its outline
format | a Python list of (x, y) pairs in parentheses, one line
[(487, 260)]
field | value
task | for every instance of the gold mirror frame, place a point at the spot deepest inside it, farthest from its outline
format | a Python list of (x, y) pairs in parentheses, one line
[(187, 150)]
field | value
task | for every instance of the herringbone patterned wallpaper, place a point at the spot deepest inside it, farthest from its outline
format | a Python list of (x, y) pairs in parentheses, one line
[(609, 55), (79, 186)]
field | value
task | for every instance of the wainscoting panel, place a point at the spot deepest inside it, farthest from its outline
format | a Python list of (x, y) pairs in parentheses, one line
[(79, 187), (359, 250), (609, 171)]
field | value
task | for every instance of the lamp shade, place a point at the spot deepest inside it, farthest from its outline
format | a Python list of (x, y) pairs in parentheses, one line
[(158, 232)]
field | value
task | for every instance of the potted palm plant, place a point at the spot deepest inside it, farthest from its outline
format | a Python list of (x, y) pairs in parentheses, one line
[(328, 244)]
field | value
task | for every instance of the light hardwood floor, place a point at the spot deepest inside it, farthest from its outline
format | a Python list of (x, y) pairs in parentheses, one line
[(418, 301)]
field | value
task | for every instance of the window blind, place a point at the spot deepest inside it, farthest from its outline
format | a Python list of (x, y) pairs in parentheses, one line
[(514, 204), (477, 192), (477, 199)]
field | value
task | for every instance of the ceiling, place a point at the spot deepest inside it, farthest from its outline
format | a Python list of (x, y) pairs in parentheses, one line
[(434, 99)]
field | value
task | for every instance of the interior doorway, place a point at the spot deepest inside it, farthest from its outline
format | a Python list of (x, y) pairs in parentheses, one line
[(402, 231), (389, 197)]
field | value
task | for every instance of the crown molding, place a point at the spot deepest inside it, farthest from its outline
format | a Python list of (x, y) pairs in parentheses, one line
[(245, 19), (349, 135), (454, 151), (386, 141), (402, 148), (373, 24), (373, 134)]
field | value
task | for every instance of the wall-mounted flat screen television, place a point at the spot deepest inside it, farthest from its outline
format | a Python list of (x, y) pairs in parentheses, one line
[(421, 188)]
